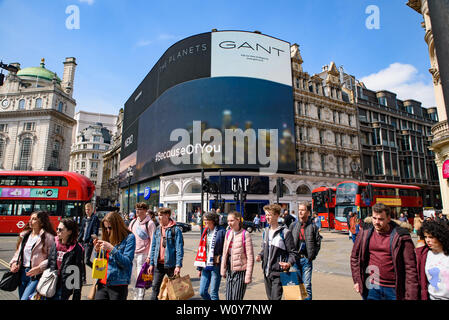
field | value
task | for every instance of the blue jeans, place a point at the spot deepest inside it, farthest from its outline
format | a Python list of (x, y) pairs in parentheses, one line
[(26, 285), (304, 270), (382, 293), (210, 278)]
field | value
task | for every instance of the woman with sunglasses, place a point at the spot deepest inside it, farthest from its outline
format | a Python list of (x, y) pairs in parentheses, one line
[(118, 244), (67, 257), (33, 248)]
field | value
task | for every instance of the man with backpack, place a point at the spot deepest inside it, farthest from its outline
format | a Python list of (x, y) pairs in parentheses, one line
[(277, 254), (307, 240), (143, 229), (167, 250), (383, 260)]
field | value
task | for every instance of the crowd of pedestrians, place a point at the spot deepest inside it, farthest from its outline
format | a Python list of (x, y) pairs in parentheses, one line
[(385, 263)]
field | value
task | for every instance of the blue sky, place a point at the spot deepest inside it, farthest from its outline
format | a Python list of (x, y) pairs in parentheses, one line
[(119, 41)]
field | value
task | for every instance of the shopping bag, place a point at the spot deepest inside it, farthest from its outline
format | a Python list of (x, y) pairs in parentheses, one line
[(144, 280), (163, 292), (10, 281), (99, 266), (92, 292), (47, 283), (180, 288), (292, 287)]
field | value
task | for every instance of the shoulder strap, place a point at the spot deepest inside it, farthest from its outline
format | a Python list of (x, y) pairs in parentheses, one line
[(244, 242), (227, 233), (131, 225), (392, 234)]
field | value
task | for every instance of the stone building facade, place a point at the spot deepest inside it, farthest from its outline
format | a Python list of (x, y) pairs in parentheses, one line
[(36, 118), (440, 130), (111, 167)]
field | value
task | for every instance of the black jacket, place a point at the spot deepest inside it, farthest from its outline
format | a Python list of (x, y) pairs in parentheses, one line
[(68, 276), (283, 253), (312, 235), (92, 228)]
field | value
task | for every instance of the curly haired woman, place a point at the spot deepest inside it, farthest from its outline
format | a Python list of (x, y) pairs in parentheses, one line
[(433, 261)]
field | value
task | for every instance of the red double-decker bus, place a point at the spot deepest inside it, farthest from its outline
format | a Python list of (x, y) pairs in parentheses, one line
[(359, 197), (60, 193), (323, 203)]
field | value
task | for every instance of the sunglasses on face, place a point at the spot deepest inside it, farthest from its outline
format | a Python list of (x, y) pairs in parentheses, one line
[(59, 229), (108, 228)]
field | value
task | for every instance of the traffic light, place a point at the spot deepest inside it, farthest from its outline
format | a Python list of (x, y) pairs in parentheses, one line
[(2, 78), (206, 185), (243, 197), (236, 196), (280, 187)]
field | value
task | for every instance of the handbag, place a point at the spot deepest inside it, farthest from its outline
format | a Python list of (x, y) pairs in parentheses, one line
[(180, 288), (144, 280), (10, 281), (293, 289), (47, 283), (99, 266)]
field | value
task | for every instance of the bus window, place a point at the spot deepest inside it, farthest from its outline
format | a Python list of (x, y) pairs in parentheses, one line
[(64, 182), (73, 209), (26, 181), (23, 208), (48, 206), (44, 181), (8, 181), (6, 209), (364, 212)]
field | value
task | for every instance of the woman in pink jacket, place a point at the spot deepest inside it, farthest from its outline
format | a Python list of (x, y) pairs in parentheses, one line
[(237, 262), (32, 252)]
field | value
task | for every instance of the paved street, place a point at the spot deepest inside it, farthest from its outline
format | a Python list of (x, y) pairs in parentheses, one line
[(331, 278)]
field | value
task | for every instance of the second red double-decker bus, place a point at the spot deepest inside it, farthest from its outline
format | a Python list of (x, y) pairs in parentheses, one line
[(323, 203), (61, 194), (359, 197)]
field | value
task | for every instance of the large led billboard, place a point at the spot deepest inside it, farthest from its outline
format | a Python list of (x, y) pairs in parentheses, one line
[(215, 100)]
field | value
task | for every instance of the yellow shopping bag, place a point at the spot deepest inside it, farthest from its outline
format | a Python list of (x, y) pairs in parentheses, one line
[(99, 266)]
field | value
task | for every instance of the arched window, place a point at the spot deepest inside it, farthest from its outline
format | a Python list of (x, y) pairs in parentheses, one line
[(172, 190), (21, 104), (303, 189), (193, 188), (285, 190), (38, 103), (25, 153), (60, 105)]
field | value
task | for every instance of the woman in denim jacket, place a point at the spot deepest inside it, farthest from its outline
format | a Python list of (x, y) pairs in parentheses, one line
[(119, 244)]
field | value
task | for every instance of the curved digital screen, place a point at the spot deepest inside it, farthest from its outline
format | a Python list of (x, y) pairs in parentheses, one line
[(232, 108)]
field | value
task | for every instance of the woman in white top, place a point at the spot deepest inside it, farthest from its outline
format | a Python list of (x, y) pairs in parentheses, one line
[(31, 256), (433, 261)]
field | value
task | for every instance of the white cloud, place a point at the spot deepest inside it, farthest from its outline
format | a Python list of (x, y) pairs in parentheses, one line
[(165, 36), (405, 81), (89, 2), (143, 43)]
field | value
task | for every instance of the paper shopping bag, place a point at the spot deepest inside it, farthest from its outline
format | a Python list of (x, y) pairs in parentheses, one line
[(99, 266), (180, 288), (292, 287), (163, 292)]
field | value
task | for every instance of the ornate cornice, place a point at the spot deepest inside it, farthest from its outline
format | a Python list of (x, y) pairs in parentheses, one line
[(37, 113)]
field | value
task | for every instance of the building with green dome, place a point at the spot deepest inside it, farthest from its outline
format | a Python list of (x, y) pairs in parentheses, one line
[(37, 112)]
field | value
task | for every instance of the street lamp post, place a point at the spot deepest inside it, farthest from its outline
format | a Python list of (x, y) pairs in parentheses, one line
[(129, 175)]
